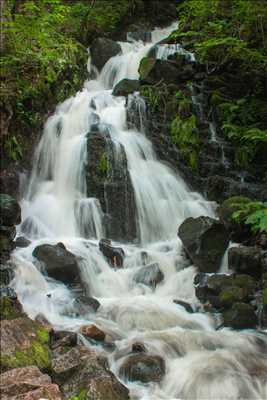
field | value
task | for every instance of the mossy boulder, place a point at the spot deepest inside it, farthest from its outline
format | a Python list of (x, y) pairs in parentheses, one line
[(10, 212), (248, 260), (146, 65), (102, 49), (10, 308), (126, 87), (240, 316), (231, 295), (225, 212), (205, 241), (23, 343)]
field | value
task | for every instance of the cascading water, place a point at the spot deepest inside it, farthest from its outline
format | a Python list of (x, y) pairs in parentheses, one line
[(201, 363)]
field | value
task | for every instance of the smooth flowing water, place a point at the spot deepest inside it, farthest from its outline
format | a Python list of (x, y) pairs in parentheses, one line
[(201, 363)]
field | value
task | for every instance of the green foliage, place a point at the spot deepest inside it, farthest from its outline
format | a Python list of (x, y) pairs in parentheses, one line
[(80, 396), (103, 166), (253, 214), (185, 135), (152, 96), (13, 148)]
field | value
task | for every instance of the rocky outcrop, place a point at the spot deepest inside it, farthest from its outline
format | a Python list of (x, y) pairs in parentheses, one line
[(114, 255), (205, 241), (59, 263), (143, 367), (109, 181), (10, 215), (27, 383), (102, 49), (246, 260), (240, 316), (126, 87), (81, 371), (150, 275)]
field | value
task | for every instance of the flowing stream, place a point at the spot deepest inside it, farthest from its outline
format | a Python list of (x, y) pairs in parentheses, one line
[(201, 363)]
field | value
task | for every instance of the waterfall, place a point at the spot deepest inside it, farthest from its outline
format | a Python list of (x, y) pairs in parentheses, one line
[(60, 205)]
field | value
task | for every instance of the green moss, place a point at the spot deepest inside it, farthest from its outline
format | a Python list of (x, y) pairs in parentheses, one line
[(145, 67), (37, 354), (230, 295), (8, 310), (43, 335), (103, 166), (152, 97), (264, 298), (81, 396)]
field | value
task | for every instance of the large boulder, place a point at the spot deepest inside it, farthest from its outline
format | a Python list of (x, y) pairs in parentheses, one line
[(27, 383), (59, 263), (240, 316), (10, 212), (205, 241), (222, 291), (150, 275), (143, 367), (126, 87), (84, 372), (246, 260), (102, 49), (153, 70)]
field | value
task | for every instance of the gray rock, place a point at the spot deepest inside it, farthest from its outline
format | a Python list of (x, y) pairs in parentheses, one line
[(126, 87), (150, 275), (143, 367), (205, 241), (102, 50), (10, 212)]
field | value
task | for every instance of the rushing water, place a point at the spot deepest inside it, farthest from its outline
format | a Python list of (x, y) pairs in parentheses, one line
[(201, 363)]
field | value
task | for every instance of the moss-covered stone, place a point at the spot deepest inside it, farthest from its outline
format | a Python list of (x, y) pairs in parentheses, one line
[(231, 295), (145, 67), (9, 309), (264, 299), (240, 316)]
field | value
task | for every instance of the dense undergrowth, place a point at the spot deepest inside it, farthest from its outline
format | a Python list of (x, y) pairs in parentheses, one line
[(230, 38)]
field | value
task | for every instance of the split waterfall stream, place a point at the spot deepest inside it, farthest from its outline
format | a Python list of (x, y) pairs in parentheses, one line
[(201, 362)]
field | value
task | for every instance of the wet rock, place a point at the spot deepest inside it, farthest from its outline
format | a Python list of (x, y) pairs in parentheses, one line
[(143, 367), (10, 212), (153, 70), (60, 341), (137, 33), (114, 255), (240, 316), (27, 383), (223, 290), (59, 263), (150, 275), (139, 347), (185, 305), (126, 87), (23, 343), (225, 211), (102, 49), (205, 241), (248, 260), (83, 371), (21, 241), (108, 180), (6, 275), (85, 305), (93, 332), (10, 181)]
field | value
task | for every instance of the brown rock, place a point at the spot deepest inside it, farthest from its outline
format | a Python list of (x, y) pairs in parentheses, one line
[(93, 332), (28, 384)]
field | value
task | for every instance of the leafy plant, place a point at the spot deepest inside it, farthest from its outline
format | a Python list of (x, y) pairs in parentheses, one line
[(253, 214)]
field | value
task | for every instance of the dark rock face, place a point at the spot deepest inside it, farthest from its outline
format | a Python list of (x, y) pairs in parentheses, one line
[(22, 242), (10, 215), (205, 241), (143, 367), (81, 370), (240, 316), (10, 212), (102, 50), (59, 263), (150, 275), (125, 87), (108, 180), (222, 291), (247, 260), (114, 255), (153, 71)]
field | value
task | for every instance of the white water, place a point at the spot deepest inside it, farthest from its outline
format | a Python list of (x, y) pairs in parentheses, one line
[(201, 363)]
